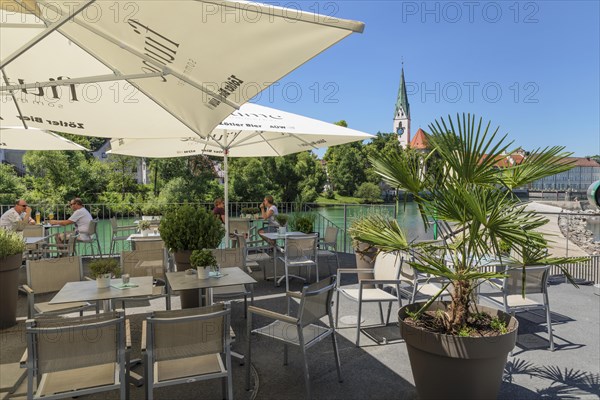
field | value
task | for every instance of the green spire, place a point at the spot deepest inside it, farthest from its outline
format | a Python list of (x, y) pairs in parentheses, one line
[(402, 100)]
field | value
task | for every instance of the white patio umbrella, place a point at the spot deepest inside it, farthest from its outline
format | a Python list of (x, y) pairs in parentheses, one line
[(35, 139), (126, 68), (252, 131)]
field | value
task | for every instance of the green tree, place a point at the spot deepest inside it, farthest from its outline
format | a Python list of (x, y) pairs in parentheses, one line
[(312, 176), (248, 180), (346, 167), (122, 176), (369, 192), (11, 186)]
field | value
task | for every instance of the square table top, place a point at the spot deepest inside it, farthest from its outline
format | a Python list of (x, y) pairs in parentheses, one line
[(230, 277), (277, 236), (139, 236), (88, 290), (34, 239)]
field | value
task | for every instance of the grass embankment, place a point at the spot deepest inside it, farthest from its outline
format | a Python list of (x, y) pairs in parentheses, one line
[(339, 200)]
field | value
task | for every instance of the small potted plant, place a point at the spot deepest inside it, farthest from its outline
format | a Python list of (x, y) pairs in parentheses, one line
[(103, 270), (256, 212), (203, 260), (246, 212), (304, 222), (11, 256), (144, 227), (152, 212), (282, 220)]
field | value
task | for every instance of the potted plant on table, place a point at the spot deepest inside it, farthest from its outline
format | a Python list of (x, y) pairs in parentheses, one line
[(187, 228), (103, 270), (458, 348), (12, 247), (282, 220), (144, 227), (152, 212), (204, 261)]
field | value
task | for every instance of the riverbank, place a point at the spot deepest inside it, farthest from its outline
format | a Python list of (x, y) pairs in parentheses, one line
[(575, 227)]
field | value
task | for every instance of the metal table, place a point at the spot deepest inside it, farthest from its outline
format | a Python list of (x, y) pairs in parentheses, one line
[(273, 237)]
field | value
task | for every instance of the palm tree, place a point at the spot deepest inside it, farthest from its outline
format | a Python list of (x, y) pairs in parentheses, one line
[(473, 201)]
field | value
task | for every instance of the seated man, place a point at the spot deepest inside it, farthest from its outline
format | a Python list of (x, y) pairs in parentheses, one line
[(81, 218), (17, 217)]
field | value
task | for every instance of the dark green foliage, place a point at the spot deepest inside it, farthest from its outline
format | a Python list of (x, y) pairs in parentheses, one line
[(190, 227), (104, 266), (202, 258)]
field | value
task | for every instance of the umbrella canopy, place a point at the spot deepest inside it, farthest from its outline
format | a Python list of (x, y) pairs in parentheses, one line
[(145, 68), (252, 131), (34, 139)]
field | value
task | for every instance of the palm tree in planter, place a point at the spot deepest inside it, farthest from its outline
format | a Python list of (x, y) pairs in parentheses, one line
[(459, 184)]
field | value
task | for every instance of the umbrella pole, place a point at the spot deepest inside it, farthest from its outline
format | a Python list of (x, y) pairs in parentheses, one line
[(226, 184)]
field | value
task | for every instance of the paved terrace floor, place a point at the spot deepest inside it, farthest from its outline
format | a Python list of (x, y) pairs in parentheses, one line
[(375, 371)]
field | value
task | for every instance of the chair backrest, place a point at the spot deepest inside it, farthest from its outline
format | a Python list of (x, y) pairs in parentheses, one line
[(58, 344), (113, 223), (331, 233), (228, 258), (92, 227), (149, 245), (131, 263), (33, 230), (239, 226), (190, 332), (388, 265), (50, 274), (316, 301), (301, 246), (536, 278)]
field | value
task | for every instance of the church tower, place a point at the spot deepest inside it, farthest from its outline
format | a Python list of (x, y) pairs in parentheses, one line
[(402, 114)]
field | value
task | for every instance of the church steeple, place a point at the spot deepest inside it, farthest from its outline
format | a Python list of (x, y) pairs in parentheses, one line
[(402, 113)]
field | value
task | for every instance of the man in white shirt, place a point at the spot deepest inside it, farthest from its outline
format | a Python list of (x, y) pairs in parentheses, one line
[(81, 218), (16, 217)]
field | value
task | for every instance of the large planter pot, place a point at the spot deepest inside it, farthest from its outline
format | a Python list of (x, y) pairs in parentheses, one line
[(452, 367), (9, 282), (189, 298)]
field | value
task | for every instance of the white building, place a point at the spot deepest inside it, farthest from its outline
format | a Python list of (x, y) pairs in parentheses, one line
[(579, 178)]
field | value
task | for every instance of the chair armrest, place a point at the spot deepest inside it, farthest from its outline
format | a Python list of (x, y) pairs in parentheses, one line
[(144, 327), (27, 289), (127, 334), (354, 270), (23, 360), (125, 228), (296, 295), (87, 278), (272, 315)]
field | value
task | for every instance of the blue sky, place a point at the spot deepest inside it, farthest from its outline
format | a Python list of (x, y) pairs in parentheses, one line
[(530, 67)]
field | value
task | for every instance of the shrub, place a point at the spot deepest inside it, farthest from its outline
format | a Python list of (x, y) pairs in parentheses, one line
[(190, 227), (104, 266), (11, 243)]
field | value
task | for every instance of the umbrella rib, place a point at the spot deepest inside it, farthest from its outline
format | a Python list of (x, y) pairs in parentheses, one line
[(49, 29), (14, 99), (268, 144)]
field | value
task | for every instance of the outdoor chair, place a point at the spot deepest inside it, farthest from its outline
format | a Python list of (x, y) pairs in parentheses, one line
[(416, 286), (255, 251), (512, 300), (232, 258), (304, 330), (119, 234), (386, 271), (46, 250), (93, 239), (50, 275), (327, 246), (184, 346), (146, 263), (70, 357), (32, 231), (300, 252)]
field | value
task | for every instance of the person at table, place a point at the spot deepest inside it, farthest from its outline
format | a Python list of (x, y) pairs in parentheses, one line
[(219, 210), (81, 218), (17, 217), (268, 211)]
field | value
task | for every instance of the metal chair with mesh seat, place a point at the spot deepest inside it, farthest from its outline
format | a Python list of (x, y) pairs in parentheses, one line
[(93, 238), (184, 346), (255, 252), (327, 246), (386, 273), (71, 357), (49, 275), (513, 299), (119, 234), (232, 258), (305, 330), (301, 252), (146, 263)]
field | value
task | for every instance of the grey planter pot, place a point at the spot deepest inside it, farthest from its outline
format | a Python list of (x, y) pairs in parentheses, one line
[(9, 282), (452, 367)]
